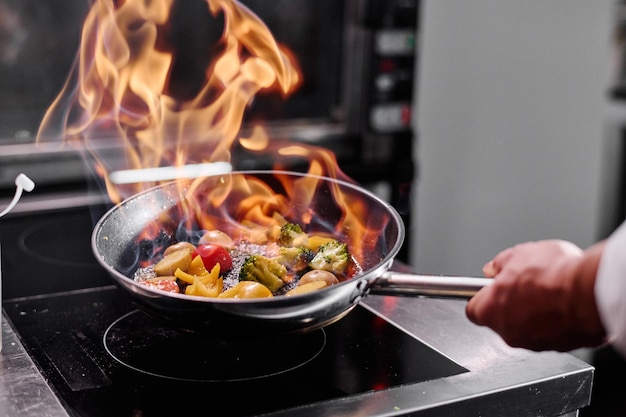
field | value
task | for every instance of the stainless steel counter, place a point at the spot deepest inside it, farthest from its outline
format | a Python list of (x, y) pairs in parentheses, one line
[(500, 380), (23, 390)]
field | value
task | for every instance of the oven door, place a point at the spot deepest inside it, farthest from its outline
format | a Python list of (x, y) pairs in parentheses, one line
[(34, 66)]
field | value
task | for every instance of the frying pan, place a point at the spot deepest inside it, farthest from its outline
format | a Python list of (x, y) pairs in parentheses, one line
[(140, 228)]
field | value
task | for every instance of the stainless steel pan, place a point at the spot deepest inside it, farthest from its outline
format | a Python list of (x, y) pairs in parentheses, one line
[(164, 211)]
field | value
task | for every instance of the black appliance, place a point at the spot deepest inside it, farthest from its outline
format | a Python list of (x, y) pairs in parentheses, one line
[(357, 59)]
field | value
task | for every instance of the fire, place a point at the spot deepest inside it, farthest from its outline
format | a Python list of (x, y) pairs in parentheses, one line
[(120, 88), (120, 96)]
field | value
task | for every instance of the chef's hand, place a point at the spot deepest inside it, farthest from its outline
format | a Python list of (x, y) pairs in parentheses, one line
[(542, 297)]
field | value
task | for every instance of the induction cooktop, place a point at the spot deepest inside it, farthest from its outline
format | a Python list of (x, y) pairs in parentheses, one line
[(104, 357)]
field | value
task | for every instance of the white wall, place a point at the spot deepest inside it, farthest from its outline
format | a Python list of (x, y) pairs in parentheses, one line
[(510, 111)]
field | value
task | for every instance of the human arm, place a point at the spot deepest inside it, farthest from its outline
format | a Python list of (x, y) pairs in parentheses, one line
[(542, 297)]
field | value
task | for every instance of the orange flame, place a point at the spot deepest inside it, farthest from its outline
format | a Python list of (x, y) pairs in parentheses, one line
[(119, 90)]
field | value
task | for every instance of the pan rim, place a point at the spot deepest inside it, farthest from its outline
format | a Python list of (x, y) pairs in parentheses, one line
[(368, 275)]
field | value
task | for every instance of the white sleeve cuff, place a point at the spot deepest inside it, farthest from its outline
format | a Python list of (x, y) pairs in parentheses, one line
[(610, 289)]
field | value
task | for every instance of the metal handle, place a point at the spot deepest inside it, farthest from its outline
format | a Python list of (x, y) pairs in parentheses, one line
[(399, 283)]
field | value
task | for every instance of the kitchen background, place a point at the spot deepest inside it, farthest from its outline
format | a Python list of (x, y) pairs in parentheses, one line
[(518, 133), (513, 118), (520, 127)]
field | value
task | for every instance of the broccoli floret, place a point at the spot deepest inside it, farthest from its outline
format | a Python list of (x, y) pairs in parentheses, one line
[(292, 234), (295, 258), (266, 271), (332, 256)]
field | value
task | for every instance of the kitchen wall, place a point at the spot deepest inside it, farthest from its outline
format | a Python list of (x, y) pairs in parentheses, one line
[(511, 116)]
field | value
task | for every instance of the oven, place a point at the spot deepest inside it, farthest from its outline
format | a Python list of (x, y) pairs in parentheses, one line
[(75, 345), (357, 60)]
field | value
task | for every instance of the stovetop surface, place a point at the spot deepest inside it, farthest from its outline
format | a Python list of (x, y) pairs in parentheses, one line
[(78, 342), (104, 357)]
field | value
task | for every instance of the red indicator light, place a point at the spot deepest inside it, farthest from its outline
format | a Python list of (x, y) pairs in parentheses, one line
[(386, 65), (380, 386), (406, 115)]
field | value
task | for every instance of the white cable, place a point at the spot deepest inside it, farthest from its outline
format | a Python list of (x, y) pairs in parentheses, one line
[(23, 183)]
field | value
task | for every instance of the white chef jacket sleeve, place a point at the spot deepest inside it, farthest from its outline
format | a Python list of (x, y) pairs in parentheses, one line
[(610, 289)]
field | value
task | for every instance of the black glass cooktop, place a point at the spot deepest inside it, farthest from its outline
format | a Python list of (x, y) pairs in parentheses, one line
[(103, 357)]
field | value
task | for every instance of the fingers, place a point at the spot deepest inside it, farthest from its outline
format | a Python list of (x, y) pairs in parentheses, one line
[(524, 304), (470, 309), (494, 267), (474, 309), (490, 270), (477, 307)]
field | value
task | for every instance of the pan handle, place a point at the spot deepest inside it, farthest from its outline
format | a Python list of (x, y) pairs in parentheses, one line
[(400, 283)]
